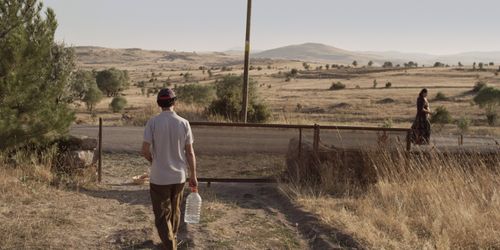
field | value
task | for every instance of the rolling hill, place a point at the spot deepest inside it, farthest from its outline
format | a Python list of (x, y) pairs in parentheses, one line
[(316, 52)]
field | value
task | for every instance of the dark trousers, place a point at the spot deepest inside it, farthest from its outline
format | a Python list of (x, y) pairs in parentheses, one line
[(166, 201)]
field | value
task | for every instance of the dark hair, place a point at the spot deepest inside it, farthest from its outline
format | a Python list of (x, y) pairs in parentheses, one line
[(422, 92), (166, 103)]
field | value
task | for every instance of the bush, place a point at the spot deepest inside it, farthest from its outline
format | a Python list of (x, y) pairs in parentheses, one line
[(492, 118), (258, 113), (388, 84), (337, 86), (229, 96), (387, 123), (441, 116), (489, 99), (438, 64), (387, 65), (118, 104), (463, 124), (478, 86), (195, 93), (440, 96)]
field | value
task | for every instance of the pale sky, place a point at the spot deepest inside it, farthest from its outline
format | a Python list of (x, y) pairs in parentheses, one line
[(428, 26)]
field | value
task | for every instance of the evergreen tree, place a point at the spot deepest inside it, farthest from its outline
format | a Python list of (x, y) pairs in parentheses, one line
[(34, 75)]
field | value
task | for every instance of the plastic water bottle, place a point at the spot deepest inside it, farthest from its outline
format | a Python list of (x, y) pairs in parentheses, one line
[(193, 207)]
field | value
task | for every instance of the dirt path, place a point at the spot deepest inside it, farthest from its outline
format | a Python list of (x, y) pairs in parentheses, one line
[(234, 216)]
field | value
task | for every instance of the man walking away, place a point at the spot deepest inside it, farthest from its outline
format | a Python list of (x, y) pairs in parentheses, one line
[(168, 146)]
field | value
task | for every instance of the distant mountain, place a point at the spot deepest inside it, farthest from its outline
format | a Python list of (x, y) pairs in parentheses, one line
[(316, 52)]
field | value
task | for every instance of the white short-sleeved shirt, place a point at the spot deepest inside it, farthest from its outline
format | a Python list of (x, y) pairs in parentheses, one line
[(168, 135)]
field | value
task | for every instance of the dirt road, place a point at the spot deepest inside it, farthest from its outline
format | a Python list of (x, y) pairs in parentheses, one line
[(237, 141)]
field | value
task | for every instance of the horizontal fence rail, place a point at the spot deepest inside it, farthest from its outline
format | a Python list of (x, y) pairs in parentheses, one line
[(293, 126)]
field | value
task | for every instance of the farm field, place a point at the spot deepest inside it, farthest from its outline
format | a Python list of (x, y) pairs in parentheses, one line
[(305, 98)]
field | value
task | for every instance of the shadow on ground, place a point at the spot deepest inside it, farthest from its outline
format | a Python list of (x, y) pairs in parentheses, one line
[(269, 198)]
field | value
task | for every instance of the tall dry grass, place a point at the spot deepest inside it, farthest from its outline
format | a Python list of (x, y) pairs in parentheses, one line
[(436, 200)]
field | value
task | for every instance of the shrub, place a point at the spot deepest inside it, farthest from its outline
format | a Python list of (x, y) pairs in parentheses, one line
[(441, 116), (388, 84), (258, 113), (489, 99), (387, 65), (375, 83), (440, 96), (438, 64), (463, 124), (478, 86), (298, 108), (306, 66), (492, 118), (337, 86), (195, 93), (118, 104), (229, 96), (387, 123)]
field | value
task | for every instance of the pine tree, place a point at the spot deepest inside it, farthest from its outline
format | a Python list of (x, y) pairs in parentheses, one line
[(34, 75)]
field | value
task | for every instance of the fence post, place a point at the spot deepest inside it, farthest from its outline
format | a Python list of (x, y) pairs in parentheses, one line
[(316, 138), (300, 144), (99, 165), (408, 141)]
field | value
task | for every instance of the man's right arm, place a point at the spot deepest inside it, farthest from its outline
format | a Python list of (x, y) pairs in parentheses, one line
[(191, 158)]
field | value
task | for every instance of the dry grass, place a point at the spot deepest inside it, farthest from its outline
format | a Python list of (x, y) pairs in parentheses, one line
[(39, 210), (427, 201)]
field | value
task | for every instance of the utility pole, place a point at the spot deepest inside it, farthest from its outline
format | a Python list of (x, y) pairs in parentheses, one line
[(245, 70)]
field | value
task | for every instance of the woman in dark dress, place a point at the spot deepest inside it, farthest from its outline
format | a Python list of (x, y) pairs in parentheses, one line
[(421, 127)]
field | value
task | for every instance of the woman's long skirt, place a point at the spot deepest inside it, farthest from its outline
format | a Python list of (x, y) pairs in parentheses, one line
[(421, 131)]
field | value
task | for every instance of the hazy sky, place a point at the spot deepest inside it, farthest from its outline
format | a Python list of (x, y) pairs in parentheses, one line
[(430, 26)]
